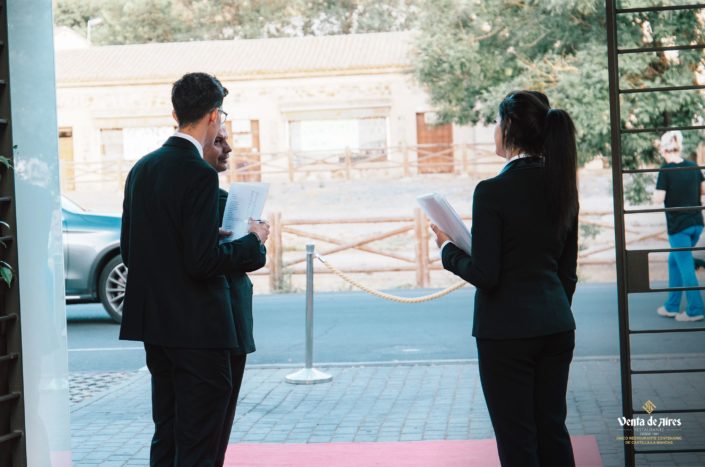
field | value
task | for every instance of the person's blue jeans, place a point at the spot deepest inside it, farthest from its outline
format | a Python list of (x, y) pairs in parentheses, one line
[(681, 272)]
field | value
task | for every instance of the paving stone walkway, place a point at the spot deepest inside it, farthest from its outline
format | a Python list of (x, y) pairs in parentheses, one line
[(394, 402)]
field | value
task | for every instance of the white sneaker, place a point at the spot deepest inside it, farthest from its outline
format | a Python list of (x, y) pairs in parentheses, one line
[(665, 313), (685, 317)]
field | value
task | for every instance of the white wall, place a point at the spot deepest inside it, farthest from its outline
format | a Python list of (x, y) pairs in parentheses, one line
[(271, 101), (40, 269)]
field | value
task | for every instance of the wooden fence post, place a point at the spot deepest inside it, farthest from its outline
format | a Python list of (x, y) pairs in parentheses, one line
[(405, 154), (348, 163), (465, 159), (423, 276), (275, 252), (290, 159)]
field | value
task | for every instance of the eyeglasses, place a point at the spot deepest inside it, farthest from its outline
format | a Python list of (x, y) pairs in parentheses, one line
[(224, 115)]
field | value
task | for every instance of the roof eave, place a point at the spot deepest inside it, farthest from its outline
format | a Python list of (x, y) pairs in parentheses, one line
[(249, 76)]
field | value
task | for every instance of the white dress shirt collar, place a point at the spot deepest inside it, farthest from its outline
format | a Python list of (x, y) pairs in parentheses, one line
[(193, 140), (518, 156)]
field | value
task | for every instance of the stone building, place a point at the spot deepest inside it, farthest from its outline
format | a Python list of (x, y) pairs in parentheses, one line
[(294, 103)]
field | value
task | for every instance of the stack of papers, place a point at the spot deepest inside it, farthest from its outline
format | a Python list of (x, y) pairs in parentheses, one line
[(245, 202), (441, 213)]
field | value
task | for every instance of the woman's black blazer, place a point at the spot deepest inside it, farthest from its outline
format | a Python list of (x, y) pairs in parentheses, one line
[(524, 268)]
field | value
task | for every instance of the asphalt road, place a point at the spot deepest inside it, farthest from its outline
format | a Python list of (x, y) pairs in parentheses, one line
[(356, 327)]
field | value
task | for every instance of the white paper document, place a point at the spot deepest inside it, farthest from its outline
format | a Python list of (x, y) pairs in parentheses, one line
[(245, 201), (441, 213)]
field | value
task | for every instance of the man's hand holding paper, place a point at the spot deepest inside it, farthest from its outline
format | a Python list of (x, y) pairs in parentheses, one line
[(259, 228), (245, 202)]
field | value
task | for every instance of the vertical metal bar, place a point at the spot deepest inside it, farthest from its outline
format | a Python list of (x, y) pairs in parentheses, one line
[(309, 306), (620, 241), (308, 374)]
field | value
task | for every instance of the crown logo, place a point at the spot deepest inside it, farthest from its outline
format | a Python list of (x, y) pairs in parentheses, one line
[(649, 407)]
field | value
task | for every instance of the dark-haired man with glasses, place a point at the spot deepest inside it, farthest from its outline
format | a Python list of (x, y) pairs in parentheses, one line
[(177, 300)]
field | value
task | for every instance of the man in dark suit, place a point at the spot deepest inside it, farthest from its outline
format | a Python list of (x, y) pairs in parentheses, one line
[(177, 300), (240, 293)]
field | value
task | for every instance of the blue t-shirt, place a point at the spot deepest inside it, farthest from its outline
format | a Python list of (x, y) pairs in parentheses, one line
[(682, 189)]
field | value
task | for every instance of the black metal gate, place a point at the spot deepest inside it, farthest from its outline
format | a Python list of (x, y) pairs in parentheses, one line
[(633, 264), (12, 442)]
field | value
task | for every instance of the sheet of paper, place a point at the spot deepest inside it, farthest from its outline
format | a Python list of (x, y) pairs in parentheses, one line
[(245, 201), (441, 213)]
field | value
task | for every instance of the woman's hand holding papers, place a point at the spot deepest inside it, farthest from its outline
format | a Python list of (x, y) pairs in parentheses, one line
[(441, 236)]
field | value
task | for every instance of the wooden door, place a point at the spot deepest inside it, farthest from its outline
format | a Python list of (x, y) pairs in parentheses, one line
[(244, 140), (68, 176), (435, 145)]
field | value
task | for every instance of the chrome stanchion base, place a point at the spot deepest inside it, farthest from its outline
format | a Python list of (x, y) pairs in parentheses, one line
[(308, 376)]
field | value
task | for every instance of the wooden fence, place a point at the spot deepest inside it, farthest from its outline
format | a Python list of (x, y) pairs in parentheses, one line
[(350, 163), (286, 254)]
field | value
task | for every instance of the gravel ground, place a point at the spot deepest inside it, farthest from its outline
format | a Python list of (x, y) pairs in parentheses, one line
[(326, 198)]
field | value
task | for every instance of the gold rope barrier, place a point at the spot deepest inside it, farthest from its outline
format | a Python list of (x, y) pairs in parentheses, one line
[(386, 296)]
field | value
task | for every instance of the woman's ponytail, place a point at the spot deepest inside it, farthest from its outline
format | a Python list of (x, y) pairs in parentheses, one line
[(561, 165)]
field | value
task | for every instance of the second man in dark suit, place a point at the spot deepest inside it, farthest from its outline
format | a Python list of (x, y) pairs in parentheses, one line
[(216, 155)]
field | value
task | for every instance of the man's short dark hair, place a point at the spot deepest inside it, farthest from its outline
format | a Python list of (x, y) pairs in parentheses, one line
[(194, 95)]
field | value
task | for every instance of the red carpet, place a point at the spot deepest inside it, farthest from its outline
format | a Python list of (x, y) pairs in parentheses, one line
[(480, 453)]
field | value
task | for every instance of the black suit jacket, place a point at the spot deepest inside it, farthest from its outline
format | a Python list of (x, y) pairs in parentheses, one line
[(523, 267), (241, 291), (176, 293)]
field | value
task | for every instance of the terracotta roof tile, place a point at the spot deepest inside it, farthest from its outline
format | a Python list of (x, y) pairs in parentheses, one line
[(235, 59)]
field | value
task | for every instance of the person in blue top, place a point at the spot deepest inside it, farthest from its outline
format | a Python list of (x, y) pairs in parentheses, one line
[(681, 188)]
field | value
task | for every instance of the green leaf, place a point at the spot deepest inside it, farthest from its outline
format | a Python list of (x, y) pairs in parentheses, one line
[(6, 273), (6, 162)]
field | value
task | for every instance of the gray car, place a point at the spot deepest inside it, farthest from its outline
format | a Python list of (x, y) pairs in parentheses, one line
[(93, 265)]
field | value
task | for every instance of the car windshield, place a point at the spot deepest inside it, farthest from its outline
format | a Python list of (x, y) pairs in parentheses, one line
[(70, 205)]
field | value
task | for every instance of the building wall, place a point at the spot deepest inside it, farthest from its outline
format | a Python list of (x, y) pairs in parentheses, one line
[(273, 102)]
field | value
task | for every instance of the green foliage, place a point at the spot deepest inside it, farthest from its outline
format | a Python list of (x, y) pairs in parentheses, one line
[(471, 53), (6, 162), (639, 188), (587, 232), (590, 231), (6, 274), (141, 21)]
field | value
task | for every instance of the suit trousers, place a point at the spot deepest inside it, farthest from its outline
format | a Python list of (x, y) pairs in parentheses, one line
[(525, 382), (191, 389), (237, 365)]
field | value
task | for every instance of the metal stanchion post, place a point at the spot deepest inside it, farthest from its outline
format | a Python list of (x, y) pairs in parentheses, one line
[(309, 375)]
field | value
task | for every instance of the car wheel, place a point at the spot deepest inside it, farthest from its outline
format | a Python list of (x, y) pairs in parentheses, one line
[(111, 287)]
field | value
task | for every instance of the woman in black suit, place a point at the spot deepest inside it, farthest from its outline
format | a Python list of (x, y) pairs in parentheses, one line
[(523, 264)]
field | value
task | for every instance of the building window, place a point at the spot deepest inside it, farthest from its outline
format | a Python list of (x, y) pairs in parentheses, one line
[(111, 144), (131, 143), (139, 141), (68, 178), (365, 137)]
